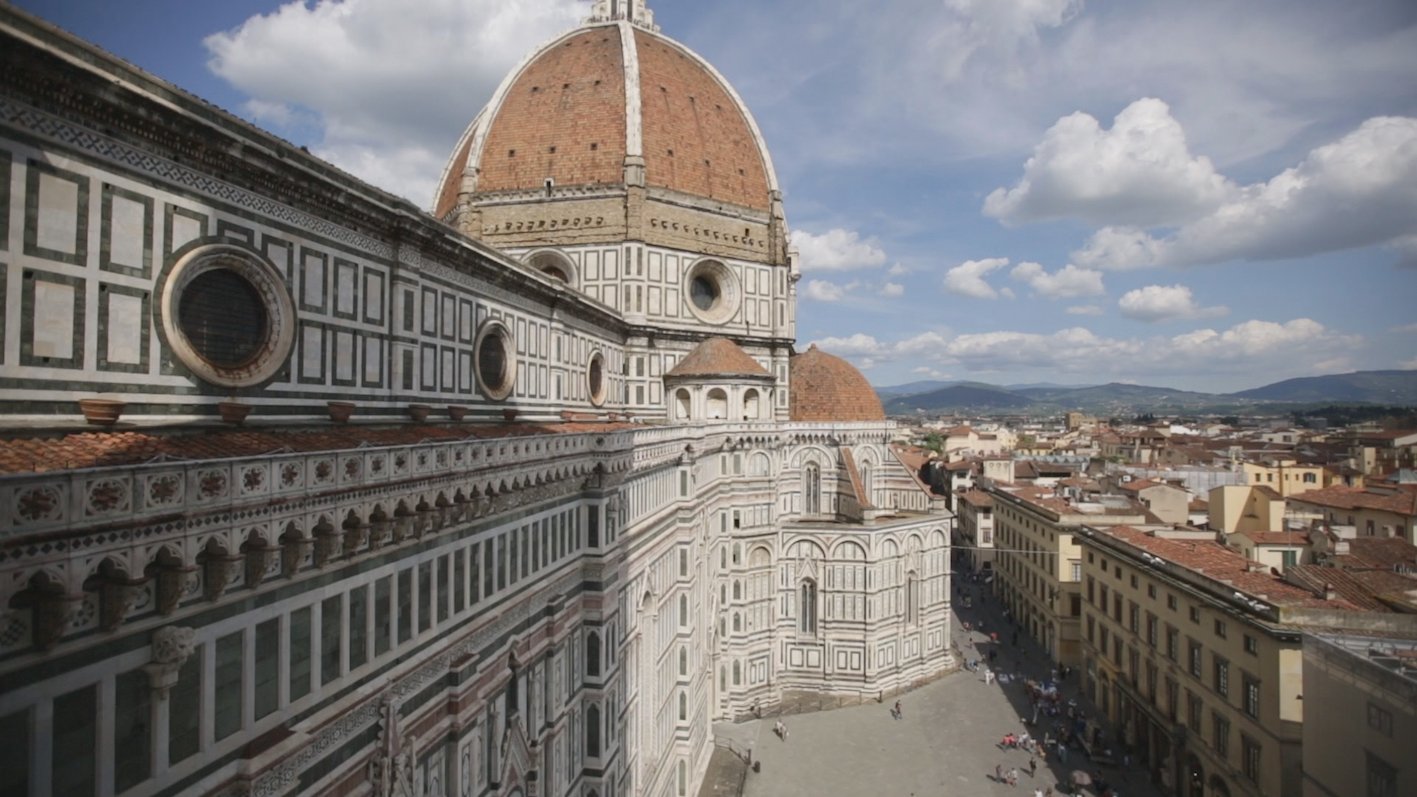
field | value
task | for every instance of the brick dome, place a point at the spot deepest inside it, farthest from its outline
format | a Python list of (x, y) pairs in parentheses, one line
[(827, 388), (718, 357), (591, 106)]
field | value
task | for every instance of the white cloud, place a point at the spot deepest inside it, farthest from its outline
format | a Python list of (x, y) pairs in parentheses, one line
[(1358, 191), (1085, 309), (1140, 172), (837, 250), (1405, 329), (967, 279), (1068, 282), (1408, 365), (1254, 350), (1156, 303), (823, 291), (388, 88), (898, 270), (892, 290)]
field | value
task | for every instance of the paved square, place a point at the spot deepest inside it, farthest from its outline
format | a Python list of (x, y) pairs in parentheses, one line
[(946, 743)]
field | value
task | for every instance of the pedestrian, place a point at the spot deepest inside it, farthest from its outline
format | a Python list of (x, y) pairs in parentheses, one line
[(1013, 776), (1032, 766), (998, 773), (898, 712), (1063, 753)]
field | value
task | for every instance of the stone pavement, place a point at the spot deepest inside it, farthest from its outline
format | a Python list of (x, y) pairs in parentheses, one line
[(946, 742)]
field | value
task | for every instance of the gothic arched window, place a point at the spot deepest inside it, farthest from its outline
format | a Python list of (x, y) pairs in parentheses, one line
[(812, 489), (592, 731), (592, 654), (807, 609), (912, 598)]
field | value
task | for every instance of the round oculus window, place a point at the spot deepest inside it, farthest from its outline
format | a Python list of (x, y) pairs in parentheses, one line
[(494, 361), (227, 316), (595, 379), (712, 291)]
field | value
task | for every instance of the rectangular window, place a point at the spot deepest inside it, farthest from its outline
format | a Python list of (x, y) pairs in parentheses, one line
[(1133, 624), (442, 598), (228, 685), (383, 617), (405, 605), (1251, 763), (1077, 571), (1220, 735), (358, 627), (1151, 629), (1252, 645), (1222, 676), (331, 628), (1195, 658), (1380, 719), (185, 709), (1220, 628), (1195, 614), (1382, 778), (75, 740), (1173, 698), (425, 596), (1171, 602), (1173, 638), (267, 667), (1194, 709), (1252, 696), (299, 654), (131, 738)]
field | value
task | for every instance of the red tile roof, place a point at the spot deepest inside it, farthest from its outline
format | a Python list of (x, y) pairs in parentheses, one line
[(115, 448), (718, 357), (1401, 501), (1277, 537), (826, 388), (977, 499), (1225, 566)]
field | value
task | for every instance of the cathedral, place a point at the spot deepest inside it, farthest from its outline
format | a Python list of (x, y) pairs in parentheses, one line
[(305, 489)]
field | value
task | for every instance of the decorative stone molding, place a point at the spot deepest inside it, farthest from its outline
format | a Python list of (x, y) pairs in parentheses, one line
[(171, 645)]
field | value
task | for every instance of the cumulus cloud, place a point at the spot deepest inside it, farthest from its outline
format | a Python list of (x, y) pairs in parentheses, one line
[(892, 290), (897, 270), (823, 291), (1085, 309), (967, 279), (837, 250), (1156, 303), (387, 91), (1405, 329), (1141, 173), (1253, 351), (1358, 191), (1068, 282)]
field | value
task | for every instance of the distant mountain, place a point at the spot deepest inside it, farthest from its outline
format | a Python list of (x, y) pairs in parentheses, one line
[(1051, 385), (911, 388), (962, 396), (1375, 387), (1116, 394), (1372, 387)]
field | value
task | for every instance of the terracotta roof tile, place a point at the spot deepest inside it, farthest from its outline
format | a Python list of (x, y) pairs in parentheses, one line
[(718, 357), (117, 448), (827, 388)]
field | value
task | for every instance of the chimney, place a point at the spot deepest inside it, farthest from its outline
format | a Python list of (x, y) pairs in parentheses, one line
[(1329, 593)]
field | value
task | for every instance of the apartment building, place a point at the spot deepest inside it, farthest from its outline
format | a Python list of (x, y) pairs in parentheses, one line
[(1286, 475), (1038, 563), (1365, 688), (1193, 655), (1378, 510), (976, 529)]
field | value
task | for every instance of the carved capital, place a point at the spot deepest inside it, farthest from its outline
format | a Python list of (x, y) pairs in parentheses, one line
[(171, 646)]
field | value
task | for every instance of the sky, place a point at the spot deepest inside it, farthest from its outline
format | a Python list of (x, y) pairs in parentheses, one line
[(1209, 195)]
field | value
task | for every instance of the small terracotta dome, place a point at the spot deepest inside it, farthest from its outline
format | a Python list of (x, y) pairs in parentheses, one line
[(827, 388), (718, 357)]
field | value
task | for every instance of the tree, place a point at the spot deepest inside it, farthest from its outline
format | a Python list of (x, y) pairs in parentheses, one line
[(935, 442)]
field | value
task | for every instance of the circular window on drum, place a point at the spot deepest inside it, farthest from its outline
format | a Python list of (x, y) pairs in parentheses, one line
[(227, 316), (712, 292), (595, 379), (496, 365)]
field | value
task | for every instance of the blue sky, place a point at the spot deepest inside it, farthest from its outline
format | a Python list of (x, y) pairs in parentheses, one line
[(1205, 195)]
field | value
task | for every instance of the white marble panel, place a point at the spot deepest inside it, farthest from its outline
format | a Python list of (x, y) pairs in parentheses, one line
[(312, 352), (125, 329), (373, 359), (344, 355), (184, 229), (53, 320), (58, 222), (314, 279), (127, 230)]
